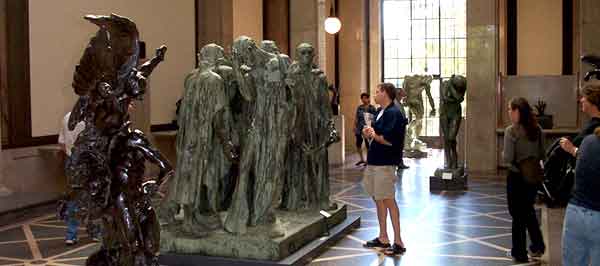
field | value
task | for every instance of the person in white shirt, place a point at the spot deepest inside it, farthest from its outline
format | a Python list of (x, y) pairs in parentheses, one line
[(66, 139)]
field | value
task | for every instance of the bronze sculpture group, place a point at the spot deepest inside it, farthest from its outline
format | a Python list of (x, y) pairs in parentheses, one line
[(262, 148), (253, 138), (254, 128)]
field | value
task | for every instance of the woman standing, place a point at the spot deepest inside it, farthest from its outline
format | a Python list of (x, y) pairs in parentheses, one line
[(522, 140), (581, 231), (590, 105)]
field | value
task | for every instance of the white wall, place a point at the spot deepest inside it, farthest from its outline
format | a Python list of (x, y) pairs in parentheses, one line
[(59, 34)]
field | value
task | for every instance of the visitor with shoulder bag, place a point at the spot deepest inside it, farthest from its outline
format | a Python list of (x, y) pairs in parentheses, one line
[(523, 152)]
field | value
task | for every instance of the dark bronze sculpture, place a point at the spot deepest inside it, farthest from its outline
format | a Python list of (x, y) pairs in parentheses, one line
[(452, 94), (414, 86), (106, 169), (201, 186), (252, 155), (307, 178), (260, 76)]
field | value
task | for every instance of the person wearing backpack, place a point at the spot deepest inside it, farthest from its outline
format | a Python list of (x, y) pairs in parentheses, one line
[(386, 136), (523, 151)]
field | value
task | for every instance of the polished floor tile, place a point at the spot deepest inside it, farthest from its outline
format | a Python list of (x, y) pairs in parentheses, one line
[(443, 228), (471, 227)]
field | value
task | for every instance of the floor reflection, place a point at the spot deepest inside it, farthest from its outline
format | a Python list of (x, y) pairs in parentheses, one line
[(446, 228)]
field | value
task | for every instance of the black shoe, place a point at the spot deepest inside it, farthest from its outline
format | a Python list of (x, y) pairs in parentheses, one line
[(395, 250), (403, 166), (359, 163), (376, 243), (520, 259), (534, 253)]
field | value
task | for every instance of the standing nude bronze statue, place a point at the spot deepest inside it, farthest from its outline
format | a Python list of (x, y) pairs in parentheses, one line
[(452, 94), (414, 87)]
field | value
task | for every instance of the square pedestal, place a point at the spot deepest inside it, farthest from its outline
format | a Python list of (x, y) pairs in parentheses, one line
[(300, 229), (448, 179)]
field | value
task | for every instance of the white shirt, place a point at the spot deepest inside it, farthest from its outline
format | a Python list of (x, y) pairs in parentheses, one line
[(67, 137), (380, 114)]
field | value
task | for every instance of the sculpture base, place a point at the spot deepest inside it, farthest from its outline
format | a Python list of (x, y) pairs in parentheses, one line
[(448, 179), (300, 229), (415, 154), (301, 257)]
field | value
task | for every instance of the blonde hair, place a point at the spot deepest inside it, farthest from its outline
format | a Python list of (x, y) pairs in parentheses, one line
[(597, 132)]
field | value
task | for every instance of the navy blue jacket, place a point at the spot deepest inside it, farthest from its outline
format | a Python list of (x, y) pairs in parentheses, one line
[(392, 126), (587, 174)]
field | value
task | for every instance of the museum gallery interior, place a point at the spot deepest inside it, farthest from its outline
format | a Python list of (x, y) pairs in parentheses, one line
[(300, 132)]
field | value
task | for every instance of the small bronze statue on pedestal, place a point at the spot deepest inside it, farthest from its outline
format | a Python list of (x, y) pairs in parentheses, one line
[(452, 94)]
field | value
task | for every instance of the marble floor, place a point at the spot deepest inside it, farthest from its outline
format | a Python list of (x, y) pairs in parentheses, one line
[(446, 228)]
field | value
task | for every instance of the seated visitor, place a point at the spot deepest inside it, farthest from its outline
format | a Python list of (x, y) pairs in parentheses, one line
[(383, 157), (581, 230), (523, 140)]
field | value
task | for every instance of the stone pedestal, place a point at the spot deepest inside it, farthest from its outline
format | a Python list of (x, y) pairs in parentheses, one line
[(552, 225), (448, 179), (300, 229), (415, 154)]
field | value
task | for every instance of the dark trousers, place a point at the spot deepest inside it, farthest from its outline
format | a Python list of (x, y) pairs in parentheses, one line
[(521, 197)]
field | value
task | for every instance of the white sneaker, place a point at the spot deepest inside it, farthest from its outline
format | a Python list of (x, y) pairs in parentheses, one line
[(70, 242)]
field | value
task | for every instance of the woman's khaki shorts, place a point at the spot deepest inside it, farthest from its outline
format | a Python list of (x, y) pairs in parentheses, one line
[(379, 181)]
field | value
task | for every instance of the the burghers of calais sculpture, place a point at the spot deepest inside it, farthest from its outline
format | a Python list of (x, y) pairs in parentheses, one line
[(307, 176), (201, 185), (260, 77), (452, 94), (414, 87), (271, 47), (106, 169)]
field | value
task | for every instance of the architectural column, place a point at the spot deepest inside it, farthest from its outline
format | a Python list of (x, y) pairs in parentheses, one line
[(375, 39), (304, 21), (353, 62), (3, 86), (482, 79), (214, 22), (307, 18), (276, 23)]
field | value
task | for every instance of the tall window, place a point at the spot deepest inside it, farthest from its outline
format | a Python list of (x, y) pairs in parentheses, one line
[(424, 37)]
